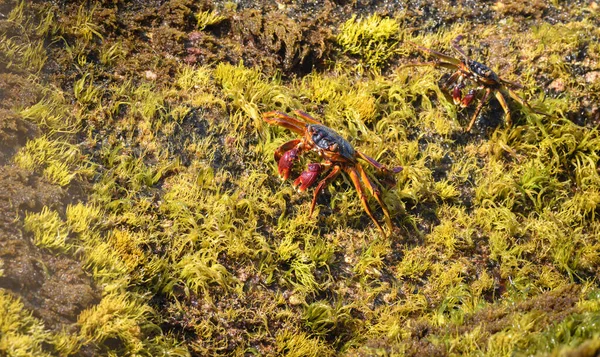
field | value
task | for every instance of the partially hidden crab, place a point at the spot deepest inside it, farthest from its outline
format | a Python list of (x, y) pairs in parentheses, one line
[(338, 155), (468, 70)]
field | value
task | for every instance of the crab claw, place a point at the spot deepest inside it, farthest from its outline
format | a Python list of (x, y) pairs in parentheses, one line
[(456, 95), (467, 99), (286, 161), (308, 177)]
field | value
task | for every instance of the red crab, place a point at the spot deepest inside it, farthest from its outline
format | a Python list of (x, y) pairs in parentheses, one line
[(468, 70), (338, 155)]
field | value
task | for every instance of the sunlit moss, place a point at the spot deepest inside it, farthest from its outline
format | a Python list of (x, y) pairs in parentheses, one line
[(373, 38), (20, 333), (198, 272), (61, 162), (19, 51), (296, 344), (110, 54), (51, 112), (81, 217), (250, 92), (119, 317), (207, 18), (48, 230), (186, 213), (84, 26), (85, 91)]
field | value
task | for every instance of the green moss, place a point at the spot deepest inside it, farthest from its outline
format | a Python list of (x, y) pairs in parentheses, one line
[(198, 271), (117, 317), (207, 18), (83, 25), (373, 38), (297, 343), (187, 229), (48, 230), (60, 161), (20, 333)]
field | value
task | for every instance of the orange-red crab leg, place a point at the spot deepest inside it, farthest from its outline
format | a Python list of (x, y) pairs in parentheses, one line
[(457, 47), (379, 165), (521, 101), (486, 96), (448, 60), (510, 84), (280, 151), (447, 65), (452, 81), (506, 108), (335, 171), (307, 117), (354, 176), (375, 192), (286, 121)]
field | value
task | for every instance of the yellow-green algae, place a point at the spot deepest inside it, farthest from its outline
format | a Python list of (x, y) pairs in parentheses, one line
[(201, 250)]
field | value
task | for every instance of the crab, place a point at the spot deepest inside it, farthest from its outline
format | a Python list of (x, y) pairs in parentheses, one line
[(468, 70), (338, 156)]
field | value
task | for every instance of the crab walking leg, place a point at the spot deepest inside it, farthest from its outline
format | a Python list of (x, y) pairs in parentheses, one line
[(448, 59), (457, 47), (354, 176), (488, 91), (378, 165), (307, 117), (521, 101), (335, 171), (506, 108), (443, 64), (278, 118), (375, 192)]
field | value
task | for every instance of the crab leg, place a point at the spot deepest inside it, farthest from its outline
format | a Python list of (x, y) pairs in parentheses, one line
[(447, 65), (278, 118), (280, 151), (511, 84), (448, 59), (375, 192), (488, 91), (514, 96), (467, 99), (379, 165), (456, 46), (324, 182), (506, 108), (354, 176), (307, 117)]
